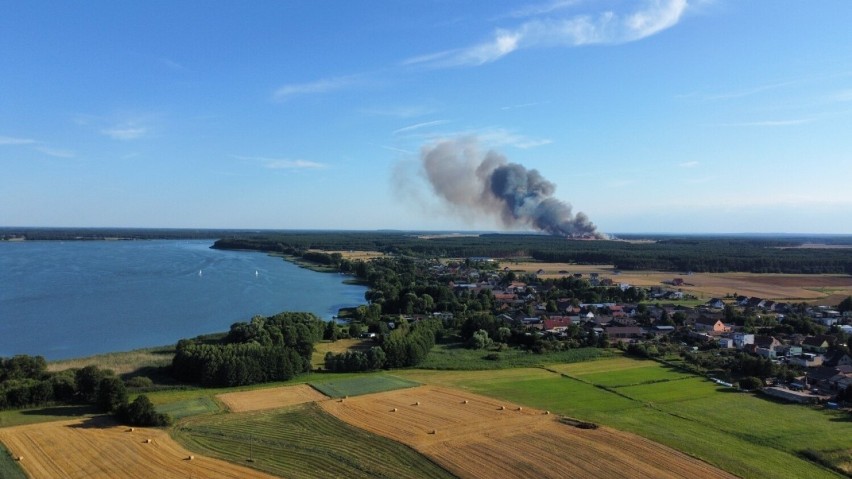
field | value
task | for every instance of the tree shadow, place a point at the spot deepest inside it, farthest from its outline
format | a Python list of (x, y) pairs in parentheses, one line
[(69, 411), (96, 422)]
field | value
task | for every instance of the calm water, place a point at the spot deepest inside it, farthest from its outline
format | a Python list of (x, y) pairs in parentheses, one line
[(71, 299)]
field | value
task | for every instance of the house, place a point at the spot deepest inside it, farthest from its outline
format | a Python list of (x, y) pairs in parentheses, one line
[(711, 324), (716, 303), (766, 342), (557, 323), (742, 339), (816, 344), (623, 332), (806, 360), (726, 343)]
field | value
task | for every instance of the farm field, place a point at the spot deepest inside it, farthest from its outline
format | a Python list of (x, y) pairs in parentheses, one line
[(480, 437), (271, 398), (746, 435), (831, 288), (337, 347), (97, 448), (305, 442), (359, 385)]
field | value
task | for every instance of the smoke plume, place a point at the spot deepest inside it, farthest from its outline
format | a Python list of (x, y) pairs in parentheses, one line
[(489, 184)]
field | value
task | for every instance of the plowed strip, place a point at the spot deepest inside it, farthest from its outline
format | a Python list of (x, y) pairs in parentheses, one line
[(487, 438), (101, 450), (261, 399)]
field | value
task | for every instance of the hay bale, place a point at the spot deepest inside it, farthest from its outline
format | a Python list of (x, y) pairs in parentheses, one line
[(393, 410), (464, 402), (520, 408), (434, 431), (417, 403), (148, 441), (546, 412), (19, 458), (190, 458), (502, 407), (130, 430)]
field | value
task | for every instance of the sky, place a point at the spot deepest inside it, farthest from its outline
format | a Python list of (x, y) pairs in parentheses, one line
[(670, 116)]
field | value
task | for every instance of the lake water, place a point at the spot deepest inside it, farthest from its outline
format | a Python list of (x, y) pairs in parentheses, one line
[(78, 298)]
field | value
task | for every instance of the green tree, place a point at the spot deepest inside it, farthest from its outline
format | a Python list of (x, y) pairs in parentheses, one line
[(330, 332), (112, 394)]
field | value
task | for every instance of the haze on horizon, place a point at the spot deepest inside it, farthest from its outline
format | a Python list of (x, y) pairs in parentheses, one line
[(709, 116)]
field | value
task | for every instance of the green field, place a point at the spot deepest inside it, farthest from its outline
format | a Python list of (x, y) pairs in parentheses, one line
[(189, 407), (305, 442), (364, 384), (739, 432), (9, 468), (457, 357)]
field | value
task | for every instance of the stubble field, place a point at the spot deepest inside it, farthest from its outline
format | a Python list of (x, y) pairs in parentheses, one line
[(827, 288), (474, 436), (272, 398), (99, 449)]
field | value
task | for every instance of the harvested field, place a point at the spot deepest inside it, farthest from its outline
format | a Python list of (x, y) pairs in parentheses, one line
[(809, 287), (337, 347), (271, 398), (478, 437), (97, 448)]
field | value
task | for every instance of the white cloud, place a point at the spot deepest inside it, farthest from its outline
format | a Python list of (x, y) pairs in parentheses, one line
[(771, 123), (284, 164), (319, 86), (125, 132), (524, 105), (8, 140), (418, 126), (540, 8), (606, 27), (689, 164), (56, 152)]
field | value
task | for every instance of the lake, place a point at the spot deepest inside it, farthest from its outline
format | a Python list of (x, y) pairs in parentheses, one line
[(79, 298)]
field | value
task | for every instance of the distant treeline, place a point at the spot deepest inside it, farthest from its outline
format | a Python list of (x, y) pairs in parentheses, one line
[(73, 234), (756, 254), (274, 348)]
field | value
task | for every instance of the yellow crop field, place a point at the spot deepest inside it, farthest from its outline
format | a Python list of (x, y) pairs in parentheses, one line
[(271, 398), (803, 287), (99, 449), (478, 437)]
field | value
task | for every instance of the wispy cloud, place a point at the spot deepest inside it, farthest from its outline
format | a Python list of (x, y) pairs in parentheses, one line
[(689, 164), (323, 85), (58, 153), (418, 126), (770, 123), (284, 163), (8, 140), (524, 105), (540, 9), (500, 137), (608, 27), (125, 133), (403, 111), (398, 150)]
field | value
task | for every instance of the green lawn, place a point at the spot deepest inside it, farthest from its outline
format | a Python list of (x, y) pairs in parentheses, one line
[(9, 468), (18, 417), (305, 442), (189, 407), (456, 357), (364, 384)]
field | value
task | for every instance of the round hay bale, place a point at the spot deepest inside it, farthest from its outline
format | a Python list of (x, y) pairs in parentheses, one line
[(464, 402), (546, 412), (434, 431), (393, 410), (520, 408), (130, 430), (19, 458), (191, 458), (502, 407), (148, 441), (417, 403)]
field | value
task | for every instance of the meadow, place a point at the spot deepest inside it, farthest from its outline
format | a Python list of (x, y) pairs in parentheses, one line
[(9, 468), (357, 386)]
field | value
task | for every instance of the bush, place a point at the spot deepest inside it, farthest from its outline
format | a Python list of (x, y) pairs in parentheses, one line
[(750, 383), (141, 412), (139, 382)]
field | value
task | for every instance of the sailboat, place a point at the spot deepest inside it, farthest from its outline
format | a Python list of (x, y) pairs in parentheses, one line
[(256, 273), (199, 272)]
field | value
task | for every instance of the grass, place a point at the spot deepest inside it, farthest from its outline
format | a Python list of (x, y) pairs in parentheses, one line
[(303, 441), (738, 432), (137, 362), (9, 468), (190, 407), (455, 356), (365, 384), (19, 417)]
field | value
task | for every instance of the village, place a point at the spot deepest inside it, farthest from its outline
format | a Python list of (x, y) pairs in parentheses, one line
[(808, 341)]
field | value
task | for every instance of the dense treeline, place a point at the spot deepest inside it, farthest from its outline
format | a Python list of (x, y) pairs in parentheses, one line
[(405, 345), (274, 348), (25, 382), (72, 234), (759, 254)]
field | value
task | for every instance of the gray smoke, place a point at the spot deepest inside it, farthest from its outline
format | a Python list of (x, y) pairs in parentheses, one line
[(489, 184)]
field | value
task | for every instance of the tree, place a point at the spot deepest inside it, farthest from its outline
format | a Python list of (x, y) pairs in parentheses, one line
[(845, 305), (87, 381), (750, 383), (112, 394), (480, 340), (141, 412), (330, 332)]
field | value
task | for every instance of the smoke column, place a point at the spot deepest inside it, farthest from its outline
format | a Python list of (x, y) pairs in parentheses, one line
[(489, 184)]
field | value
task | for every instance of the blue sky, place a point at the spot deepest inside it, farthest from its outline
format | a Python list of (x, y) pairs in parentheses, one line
[(648, 115)]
